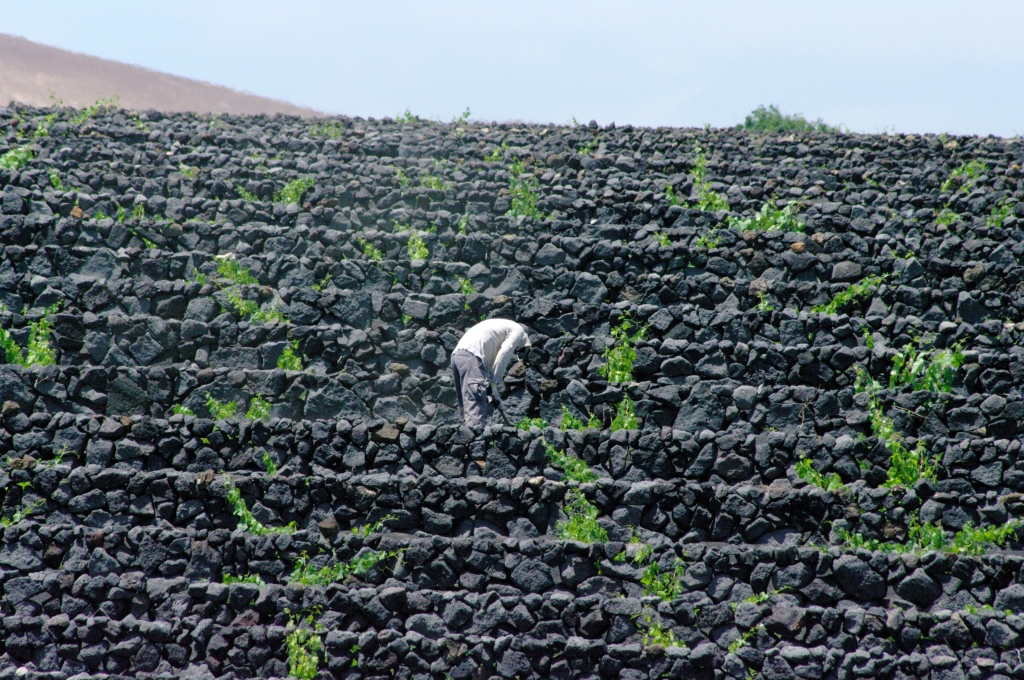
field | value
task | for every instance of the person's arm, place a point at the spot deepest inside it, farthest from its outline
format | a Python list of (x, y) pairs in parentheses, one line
[(514, 341)]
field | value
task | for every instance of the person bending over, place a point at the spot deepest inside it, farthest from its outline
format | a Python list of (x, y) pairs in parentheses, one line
[(482, 356)]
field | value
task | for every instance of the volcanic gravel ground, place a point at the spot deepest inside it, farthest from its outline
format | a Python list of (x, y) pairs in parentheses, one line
[(116, 570)]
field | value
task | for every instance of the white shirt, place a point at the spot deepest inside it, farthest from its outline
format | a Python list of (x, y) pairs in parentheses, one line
[(495, 341)]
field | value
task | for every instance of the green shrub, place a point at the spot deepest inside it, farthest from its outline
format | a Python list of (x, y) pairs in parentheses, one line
[(619, 357), (770, 218), (417, 248), (178, 409), (523, 188), (965, 175), (574, 468), (581, 523), (319, 287), (268, 464), (188, 171), (806, 472), (245, 519), (55, 180), (771, 119), (466, 286), (856, 291), (293, 191), (259, 408), (304, 648), (219, 410), (625, 415), (663, 240), (571, 422), (289, 359), (526, 423), (16, 158)]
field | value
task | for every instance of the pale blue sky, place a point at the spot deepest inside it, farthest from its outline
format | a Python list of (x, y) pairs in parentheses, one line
[(909, 66)]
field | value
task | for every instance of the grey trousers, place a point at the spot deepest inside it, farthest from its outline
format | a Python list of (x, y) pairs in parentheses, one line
[(470, 387)]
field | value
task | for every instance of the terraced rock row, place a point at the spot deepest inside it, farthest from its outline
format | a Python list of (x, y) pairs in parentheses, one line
[(122, 457)]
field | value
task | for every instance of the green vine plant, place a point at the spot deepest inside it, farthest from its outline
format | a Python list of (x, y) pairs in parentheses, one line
[(581, 515), (417, 248), (305, 647), (668, 585), (769, 218), (625, 415), (308, 575), (925, 537), (934, 371), (268, 464), (572, 467), (830, 482), (1000, 211), (571, 422), (707, 199), (620, 355), (497, 154), (866, 287), (965, 175), (259, 408), (906, 466), (523, 188), (370, 251), (654, 632), (581, 520), (708, 240), (289, 359), (744, 639), (526, 423), (22, 513), (38, 351), (255, 579), (293, 191), (238, 276), (220, 410), (16, 158), (246, 520)]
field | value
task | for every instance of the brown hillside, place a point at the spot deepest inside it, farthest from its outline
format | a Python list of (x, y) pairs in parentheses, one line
[(29, 72)]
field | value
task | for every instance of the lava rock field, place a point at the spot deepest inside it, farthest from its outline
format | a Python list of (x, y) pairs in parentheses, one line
[(318, 275)]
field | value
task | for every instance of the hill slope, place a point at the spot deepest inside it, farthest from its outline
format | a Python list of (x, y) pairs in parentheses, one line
[(251, 319), (30, 71)]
